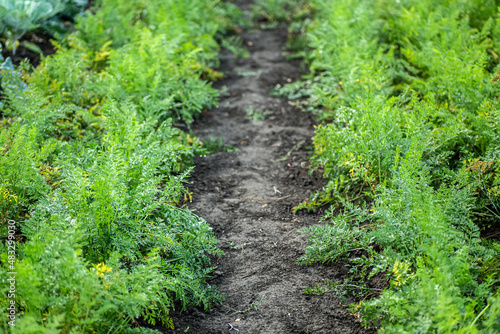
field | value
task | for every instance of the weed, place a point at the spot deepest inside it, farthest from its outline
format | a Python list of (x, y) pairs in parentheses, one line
[(251, 307), (235, 45), (232, 245), (214, 144), (256, 115)]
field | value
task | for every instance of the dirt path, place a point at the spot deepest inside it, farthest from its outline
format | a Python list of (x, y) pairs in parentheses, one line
[(247, 197)]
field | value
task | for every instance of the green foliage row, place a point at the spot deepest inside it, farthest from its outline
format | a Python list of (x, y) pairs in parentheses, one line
[(93, 165), (410, 104), (150, 53)]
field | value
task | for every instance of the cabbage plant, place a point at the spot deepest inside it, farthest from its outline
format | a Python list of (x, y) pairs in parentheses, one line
[(20, 16)]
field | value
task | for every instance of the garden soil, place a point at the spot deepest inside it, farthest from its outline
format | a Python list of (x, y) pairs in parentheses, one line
[(247, 196)]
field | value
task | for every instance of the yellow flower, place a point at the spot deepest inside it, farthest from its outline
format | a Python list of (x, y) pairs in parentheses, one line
[(8, 195), (102, 269), (189, 139)]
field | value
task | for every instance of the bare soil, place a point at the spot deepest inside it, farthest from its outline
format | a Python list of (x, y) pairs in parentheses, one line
[(247, 196), (42, 40)]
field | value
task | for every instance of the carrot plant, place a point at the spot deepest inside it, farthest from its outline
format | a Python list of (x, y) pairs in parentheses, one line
[(408, 95), (93, 165), (138, 52)]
